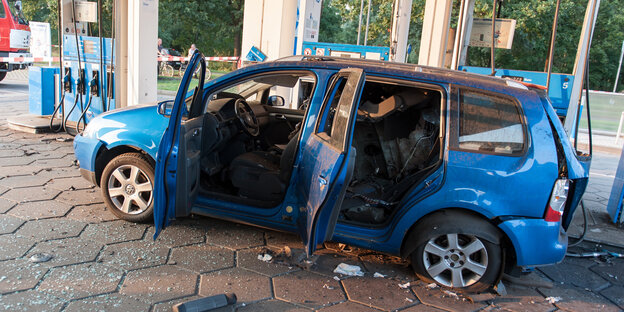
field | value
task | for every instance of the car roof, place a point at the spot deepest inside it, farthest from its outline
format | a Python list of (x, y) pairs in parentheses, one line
[(403, 69)]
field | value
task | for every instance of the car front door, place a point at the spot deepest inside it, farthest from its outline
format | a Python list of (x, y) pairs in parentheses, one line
[(327, 159), (178, 158)]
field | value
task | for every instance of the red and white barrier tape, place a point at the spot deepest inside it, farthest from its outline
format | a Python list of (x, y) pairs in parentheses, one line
[(28, 59), (160, 59)]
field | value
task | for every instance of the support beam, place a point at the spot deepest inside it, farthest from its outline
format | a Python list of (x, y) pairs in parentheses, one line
[(269, 25), (579, 65), (434, 36), (462, 37), (400, 30), (136, 65)]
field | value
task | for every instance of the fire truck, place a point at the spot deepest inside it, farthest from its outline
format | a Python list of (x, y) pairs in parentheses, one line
[(14, 37)]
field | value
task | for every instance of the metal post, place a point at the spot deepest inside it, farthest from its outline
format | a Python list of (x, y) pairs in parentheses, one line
[(360, 22), (617, 136), (552, 46), (619, 66), (493, 38), (367, 23)]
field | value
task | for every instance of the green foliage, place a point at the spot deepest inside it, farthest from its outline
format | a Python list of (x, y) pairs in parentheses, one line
[(214, 26)]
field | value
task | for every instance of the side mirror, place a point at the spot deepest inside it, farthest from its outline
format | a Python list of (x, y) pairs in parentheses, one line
[(276, 100), (165, 108)]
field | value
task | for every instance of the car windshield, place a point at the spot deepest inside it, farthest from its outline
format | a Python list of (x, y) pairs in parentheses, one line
[(16, 11)]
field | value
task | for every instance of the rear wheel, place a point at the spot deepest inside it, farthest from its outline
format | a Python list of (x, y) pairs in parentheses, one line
[(127, 185), (2, 75), (458, 252)]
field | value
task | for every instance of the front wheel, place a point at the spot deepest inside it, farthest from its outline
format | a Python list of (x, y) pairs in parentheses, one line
[(128, 187), (457, 255)]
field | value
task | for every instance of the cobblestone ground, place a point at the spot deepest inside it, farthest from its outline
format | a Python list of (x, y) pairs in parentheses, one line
[(99, 263)]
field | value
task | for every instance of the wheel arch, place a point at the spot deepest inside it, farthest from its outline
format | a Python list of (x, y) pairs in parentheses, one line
[(494, 234), (105, 155)]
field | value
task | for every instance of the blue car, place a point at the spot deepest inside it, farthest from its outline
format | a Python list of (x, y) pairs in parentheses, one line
[(468, 176)]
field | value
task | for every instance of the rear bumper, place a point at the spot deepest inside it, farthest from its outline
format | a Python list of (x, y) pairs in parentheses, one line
[(536, 241)]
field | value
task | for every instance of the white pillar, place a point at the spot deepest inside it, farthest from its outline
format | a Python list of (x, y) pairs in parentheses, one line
[(579, 65), (309, 22), (462, 37), (434, 36), (269, 25), (137, 35), (400, 30)]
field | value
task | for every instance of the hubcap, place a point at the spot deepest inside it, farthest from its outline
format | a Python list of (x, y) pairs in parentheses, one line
[(455, 260), (130, 189)]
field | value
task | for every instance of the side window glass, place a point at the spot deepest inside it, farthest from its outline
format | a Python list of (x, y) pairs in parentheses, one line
[(489, 124), (335, 115), (2, 11)]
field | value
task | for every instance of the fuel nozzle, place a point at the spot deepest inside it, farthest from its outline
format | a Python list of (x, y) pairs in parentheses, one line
[(93, 84), (80, 82), (67, 80)]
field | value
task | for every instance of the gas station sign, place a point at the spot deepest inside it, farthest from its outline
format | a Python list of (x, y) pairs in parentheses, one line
[(481, 34)]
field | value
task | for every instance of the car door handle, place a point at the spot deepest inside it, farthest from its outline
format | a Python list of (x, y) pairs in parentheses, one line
[(322, 180)]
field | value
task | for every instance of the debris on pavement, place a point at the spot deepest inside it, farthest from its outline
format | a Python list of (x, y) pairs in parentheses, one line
[(265, 257), (553, 300), (336, 278), (377, 274), (432, 286), (405, 286), (348, 269), (451, 294), (328, 287), (40, 257), (409, 300)]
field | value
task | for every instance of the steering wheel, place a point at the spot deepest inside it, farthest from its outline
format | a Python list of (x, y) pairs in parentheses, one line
[(246, 117)]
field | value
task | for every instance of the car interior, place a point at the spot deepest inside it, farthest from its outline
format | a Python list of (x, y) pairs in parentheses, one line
[(251, 129)]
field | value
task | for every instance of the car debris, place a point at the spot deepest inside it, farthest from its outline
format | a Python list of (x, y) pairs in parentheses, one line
[(349, 270), (553, 300), (406, 285), (41, 257), (377, 274)]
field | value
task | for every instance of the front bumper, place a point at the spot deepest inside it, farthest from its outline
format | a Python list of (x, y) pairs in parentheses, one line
[(536, 241), (86, 150)]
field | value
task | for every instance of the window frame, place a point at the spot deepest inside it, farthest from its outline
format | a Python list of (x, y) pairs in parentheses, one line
[(456, 122), (342, 143)]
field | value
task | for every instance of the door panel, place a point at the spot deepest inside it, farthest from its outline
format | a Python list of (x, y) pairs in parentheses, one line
[(176, 181), (327, 159), (188, 176)]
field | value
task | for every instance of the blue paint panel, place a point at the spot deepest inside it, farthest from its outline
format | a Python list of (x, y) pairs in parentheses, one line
[(327, 48), (560, 84), (536, 241), (41, 90), (614, 207)]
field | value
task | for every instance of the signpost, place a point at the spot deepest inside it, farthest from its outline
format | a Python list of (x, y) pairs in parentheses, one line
[(40, 42)]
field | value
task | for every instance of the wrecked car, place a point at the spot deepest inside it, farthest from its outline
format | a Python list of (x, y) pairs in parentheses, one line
[(468, 176)]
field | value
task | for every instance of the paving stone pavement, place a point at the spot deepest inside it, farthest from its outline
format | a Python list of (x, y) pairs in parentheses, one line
[(100, 263)]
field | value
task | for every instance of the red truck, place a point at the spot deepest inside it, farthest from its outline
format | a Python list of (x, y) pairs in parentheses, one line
[(14, 36)]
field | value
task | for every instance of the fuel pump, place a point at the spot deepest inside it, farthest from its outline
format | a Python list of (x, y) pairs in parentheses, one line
[(88, 78)]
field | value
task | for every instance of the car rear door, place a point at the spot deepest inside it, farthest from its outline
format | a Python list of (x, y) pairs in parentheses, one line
[(327, 159), (178, 158)]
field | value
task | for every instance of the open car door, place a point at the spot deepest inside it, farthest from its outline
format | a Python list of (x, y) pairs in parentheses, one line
[(178, 159), (327, 159)]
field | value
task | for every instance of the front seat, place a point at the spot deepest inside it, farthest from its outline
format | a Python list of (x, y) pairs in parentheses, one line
[(262, 175)]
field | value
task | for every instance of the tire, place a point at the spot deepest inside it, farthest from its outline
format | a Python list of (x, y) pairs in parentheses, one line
[(2, 75), (458, 252), (127, 198)]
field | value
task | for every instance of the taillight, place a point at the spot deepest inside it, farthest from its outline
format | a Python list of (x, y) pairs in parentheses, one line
[(557, 202)]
